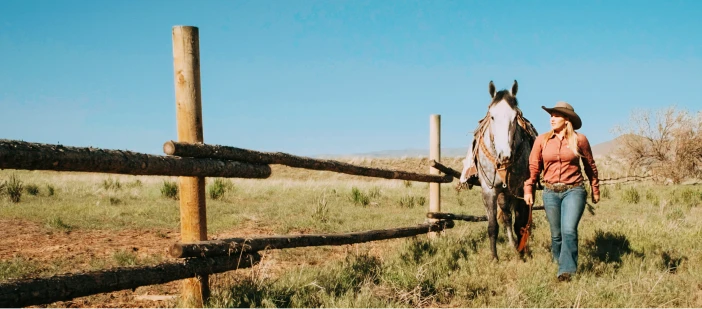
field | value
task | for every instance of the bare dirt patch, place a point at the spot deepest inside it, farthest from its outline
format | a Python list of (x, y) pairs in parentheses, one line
[(88, 250), (58, 251)]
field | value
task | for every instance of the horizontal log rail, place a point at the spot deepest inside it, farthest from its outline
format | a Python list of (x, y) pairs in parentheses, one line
[(232, 153), (28, 292), (446, 170), (450, 216), (469, 218), (473, 180), (235, 246), (625, 179), (35, 156)]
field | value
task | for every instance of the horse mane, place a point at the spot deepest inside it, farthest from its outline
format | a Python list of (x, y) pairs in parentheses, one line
[(506, 96)]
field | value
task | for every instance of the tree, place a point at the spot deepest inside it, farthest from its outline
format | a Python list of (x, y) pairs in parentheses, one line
[(668, 144)]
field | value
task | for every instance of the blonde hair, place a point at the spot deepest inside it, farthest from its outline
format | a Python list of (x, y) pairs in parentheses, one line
[(570, 136)]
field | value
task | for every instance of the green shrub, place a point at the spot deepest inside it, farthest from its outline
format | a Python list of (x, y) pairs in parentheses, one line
[(631, 195), (135, 184), (50, 189), (321, 211), (407, 183), (18, 267), (689, 197), (125, 258), (652, 198), (32, 189), (356, 270), (14, 189), (358, 197), (111, 183), (58, 224), (407, 201), (604, 192), (115, 201), (675, 214), (374, 192), (217, 189), (169, 189), (673, 197)]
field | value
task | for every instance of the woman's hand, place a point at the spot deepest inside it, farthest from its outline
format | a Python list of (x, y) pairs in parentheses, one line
[(529, 198), (595, 197)]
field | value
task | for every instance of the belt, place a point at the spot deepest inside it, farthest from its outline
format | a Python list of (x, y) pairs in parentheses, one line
[(561, 187)]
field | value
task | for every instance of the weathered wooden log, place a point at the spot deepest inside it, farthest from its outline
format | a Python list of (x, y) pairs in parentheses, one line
[(234, 246), (188, 97), (472, 180), (434, 154), (36, 156), (27, 292), (450, 216), (446, 170), (469, 218), (239, 154), (625, 179)]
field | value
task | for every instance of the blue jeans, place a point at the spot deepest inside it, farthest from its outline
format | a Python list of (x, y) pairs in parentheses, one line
[(564, 210)]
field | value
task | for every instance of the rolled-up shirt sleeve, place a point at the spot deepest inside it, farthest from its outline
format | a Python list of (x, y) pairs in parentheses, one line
[(589, 163)]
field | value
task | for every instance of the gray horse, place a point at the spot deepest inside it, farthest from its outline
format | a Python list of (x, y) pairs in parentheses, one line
[(499, 158)]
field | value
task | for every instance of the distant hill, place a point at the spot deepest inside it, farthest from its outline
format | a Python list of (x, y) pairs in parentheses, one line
[(399, 153), (610, 147), (599, 150), (605, 148)]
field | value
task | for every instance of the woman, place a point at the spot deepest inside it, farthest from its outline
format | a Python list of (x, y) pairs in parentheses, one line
[(559, 152)]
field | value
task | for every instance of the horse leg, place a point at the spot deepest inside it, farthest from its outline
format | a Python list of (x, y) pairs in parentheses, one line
[(505, 203), (490, 201)]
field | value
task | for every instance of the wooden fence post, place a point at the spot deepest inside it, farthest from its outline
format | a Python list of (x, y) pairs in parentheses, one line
[(188, 95), (434, 154)]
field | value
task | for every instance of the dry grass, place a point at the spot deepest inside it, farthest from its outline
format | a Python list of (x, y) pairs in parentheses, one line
[(643, 254)]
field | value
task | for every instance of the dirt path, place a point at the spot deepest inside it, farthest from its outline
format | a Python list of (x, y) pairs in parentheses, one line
[(55, 251)]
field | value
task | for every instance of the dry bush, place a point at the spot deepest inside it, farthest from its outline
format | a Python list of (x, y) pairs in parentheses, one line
[(667, 144)]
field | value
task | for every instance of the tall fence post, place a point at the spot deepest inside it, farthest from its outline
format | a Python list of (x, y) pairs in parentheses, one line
[(434, 154), (188, 96)]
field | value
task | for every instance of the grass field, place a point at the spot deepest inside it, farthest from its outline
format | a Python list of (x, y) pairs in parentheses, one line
[(639, 247)]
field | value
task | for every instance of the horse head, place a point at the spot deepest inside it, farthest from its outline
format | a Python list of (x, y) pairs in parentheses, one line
[(503, 112)]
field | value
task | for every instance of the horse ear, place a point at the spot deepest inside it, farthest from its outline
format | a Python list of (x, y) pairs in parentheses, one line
[(515, 87), (492, 89)]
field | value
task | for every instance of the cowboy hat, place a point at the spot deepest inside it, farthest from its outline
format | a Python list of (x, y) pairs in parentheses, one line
[(567, 110)]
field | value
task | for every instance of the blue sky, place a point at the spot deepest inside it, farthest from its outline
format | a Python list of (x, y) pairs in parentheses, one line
[(336, 77)]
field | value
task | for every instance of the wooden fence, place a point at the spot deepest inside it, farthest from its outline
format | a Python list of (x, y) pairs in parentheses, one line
[(200, 257), (193, 160)]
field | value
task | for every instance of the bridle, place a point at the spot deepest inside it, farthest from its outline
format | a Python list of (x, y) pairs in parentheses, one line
[(501, 168)]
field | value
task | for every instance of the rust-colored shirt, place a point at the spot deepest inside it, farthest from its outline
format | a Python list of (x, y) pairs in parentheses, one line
[(559, 163)]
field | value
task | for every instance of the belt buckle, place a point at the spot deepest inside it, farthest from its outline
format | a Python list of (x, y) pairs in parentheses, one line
[(559, 187)]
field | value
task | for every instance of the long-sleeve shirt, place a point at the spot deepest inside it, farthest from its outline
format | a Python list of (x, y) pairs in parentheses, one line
[(559, 163)]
